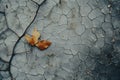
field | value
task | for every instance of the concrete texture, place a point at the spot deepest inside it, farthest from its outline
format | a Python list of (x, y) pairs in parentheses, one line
[(84, 34)]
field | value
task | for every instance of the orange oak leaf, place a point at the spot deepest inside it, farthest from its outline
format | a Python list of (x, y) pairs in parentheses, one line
[(33, 40), (43, 44)]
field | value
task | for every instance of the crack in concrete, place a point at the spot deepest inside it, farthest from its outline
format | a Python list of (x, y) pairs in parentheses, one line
[(13, 52)]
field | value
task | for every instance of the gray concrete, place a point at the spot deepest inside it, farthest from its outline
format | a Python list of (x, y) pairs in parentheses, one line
[(84, 34)]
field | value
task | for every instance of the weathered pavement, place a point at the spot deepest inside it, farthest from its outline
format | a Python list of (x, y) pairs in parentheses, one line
[(85, 36)]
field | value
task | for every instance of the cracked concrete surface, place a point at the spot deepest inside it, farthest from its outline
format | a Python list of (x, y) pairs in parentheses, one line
[(84, 34)]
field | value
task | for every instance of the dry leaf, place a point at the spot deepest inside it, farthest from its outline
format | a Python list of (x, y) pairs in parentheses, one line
[(30, 40), (33, 40), (35, 35), (43, 44)]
